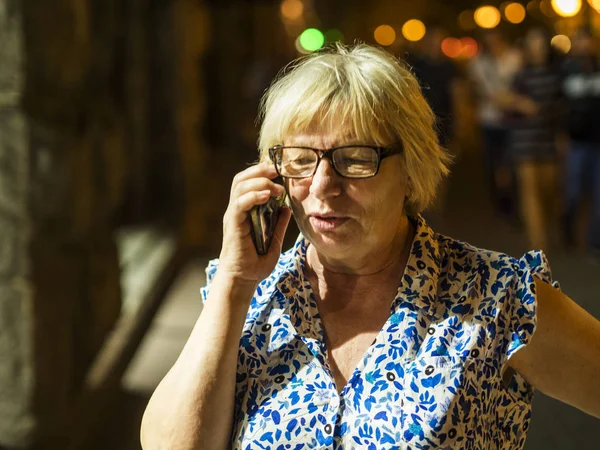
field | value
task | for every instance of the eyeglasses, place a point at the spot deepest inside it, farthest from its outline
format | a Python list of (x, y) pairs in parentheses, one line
[(349, 161)]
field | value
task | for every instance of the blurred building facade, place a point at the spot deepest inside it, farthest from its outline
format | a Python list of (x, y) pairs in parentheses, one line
[(100, 106)]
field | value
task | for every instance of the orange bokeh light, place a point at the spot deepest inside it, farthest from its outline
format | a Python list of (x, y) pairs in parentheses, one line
[(292, 9), (469, 47), (515, 13), (451, 47), (466, 20), (385, 35), (413, 30)]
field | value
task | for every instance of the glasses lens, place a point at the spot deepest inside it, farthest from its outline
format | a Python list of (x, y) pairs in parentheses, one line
[(297, 162), (356, 162)]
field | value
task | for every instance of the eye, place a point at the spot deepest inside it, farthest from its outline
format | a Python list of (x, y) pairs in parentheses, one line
[(358, 160), (302, 161)]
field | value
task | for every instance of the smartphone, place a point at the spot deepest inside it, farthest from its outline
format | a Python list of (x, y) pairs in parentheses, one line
[(263, 219)]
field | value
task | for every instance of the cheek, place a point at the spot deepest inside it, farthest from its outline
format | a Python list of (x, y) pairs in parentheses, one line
[(382, 205), (388, 205), (298, 191)]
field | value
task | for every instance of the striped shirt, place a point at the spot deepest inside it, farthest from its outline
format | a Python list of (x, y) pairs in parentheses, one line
[(533, 138)]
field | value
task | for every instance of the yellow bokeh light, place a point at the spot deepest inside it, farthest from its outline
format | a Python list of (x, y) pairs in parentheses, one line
[(385, 35), (561, 42), (514, 13), (292, 9), (414, 30), (487, 16), (566, 8), (595, 4), (546, 9), (466, 20)]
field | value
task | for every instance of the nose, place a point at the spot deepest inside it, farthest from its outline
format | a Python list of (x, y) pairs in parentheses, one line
[(325, 182)]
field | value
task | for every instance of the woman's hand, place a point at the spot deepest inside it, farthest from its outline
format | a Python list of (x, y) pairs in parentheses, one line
[(239, 260)]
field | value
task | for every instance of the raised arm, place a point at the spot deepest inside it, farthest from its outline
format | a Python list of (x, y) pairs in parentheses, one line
[(192, 407), (563, 358)]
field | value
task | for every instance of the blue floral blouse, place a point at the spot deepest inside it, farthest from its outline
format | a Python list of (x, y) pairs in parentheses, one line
[(430, 380)]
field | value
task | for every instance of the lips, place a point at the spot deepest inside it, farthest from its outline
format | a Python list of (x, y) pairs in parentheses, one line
[(327, 222)]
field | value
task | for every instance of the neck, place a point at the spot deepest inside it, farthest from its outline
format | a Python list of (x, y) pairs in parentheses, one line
[(344, 287)]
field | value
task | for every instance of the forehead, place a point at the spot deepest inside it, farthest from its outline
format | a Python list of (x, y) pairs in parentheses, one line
[(327, 132), (322, 139)]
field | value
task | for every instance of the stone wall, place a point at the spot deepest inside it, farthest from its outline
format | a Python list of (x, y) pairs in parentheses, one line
[(62, 141), (16, 296), (100, 118)]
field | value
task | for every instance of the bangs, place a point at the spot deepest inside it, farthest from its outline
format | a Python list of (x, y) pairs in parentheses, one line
[(326, 96)]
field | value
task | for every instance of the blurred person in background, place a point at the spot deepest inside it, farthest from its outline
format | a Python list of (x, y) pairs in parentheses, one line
[(533, 135), (438, 78), (581, 89), (439, 81), (492, 73), (372, 331)]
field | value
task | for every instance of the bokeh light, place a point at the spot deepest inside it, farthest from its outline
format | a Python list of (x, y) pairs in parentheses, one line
[(385, 35), (514, 13), (532, 6), (451, 47), (311, 39), (334, 35), (299, 48), (487, 16), (466, 21), (566, 8), (292, 9), (414, 30), (561, 43), (469, 47), (547, 9), (595, 4)]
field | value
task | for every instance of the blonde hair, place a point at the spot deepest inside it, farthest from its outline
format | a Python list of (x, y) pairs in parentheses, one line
[(369, 92)]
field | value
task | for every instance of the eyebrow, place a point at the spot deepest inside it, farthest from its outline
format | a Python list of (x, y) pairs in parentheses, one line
[(348, 138), (334, 144)]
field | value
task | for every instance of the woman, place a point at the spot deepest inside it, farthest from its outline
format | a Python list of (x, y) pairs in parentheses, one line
[(534, 136), (372, 332), (492, 72)]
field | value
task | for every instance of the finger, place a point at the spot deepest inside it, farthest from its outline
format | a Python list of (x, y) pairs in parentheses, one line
[(266, 170), (257, 184), (244, 203)]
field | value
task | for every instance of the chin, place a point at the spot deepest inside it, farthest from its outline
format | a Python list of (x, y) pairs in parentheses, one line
[(334, 245)]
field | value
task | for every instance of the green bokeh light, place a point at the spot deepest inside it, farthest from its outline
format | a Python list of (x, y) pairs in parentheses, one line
[(312, 39), (334, 35)]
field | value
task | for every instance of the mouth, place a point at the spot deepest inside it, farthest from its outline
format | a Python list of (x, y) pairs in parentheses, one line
[(327, 222)]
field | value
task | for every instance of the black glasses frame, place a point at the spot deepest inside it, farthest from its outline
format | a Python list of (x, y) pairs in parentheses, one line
[(382, 152)]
